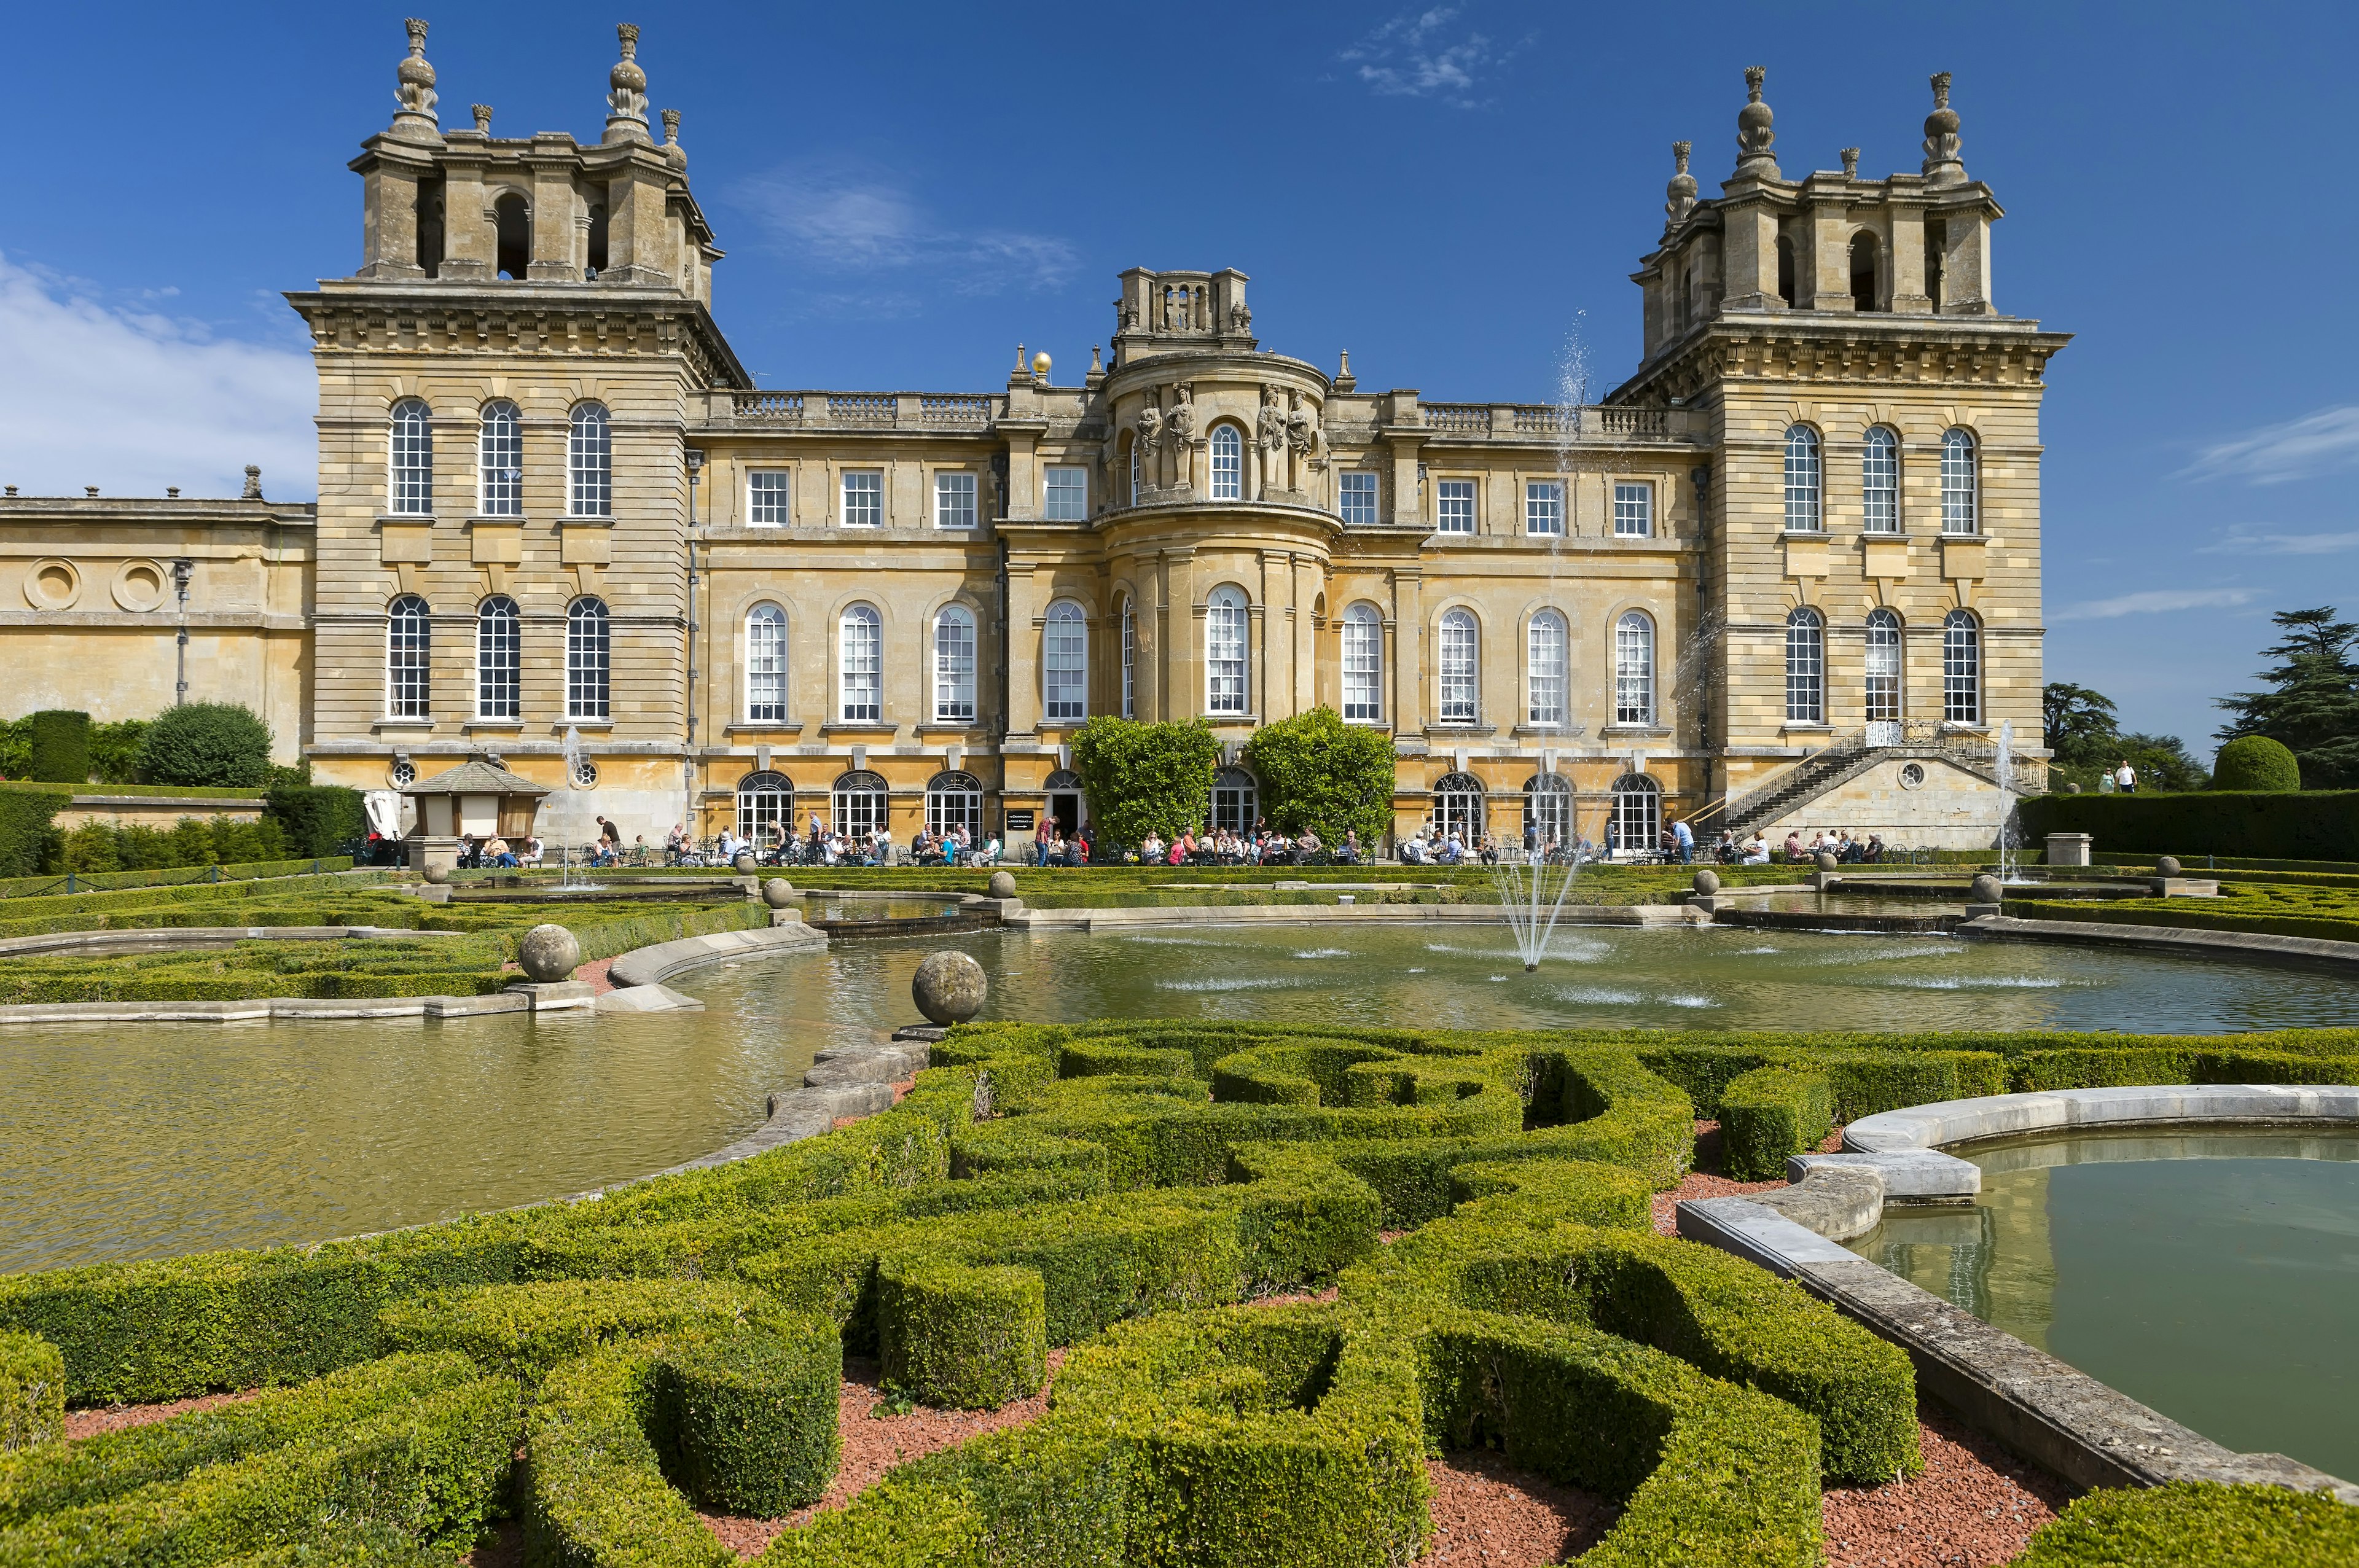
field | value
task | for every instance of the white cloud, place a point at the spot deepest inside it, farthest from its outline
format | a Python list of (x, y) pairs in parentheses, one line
[(2250, 542), (2314, 444), (132, 401), (843, 218), (1407, 57), (2157, 602)]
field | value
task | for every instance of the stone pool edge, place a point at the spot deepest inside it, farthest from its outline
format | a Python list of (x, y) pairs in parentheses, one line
[(2064, 1419)]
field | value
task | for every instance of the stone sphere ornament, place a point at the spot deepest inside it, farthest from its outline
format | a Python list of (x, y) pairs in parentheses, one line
[(438, 875), (744, 861), (778, 892), (1707, 883), (1003, 884), (1826, 861), (2166, 867), (949, 988), (1986, 889), (548, 953)]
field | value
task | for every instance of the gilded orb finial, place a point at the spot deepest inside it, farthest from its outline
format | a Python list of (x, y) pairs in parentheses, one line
[(1040, 365)]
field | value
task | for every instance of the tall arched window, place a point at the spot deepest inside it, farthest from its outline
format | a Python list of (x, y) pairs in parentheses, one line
[(1228, 463), (859, 800), (1236, 801), (1544, 652), (1458, 662), (1863, 271), (954, 800), (863, 666), (1548, 812), (1961, 668), (590, 463), (1134, 472), (953, 665), (1129, 658), (1883, 671), (766, 664), (1363, 663), (1879, 481), (512, 229), (1638, 818), (1802, 513), (1228, 651), (1960, 503), (409, 457), (499, 461), (1065, 662), (765, 806), (497, 664), (1633, 669), (1806, 667), (588, 660), (408, 657), (1457, 808)]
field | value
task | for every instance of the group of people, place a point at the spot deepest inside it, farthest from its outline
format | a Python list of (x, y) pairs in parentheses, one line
[(1265, 846), (494, 852), (954, 846)]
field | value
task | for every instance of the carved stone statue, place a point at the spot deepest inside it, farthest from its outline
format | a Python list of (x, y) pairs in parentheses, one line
[(1240, 318), (1150, 437), (1269, 438), (1304, 438), (1178, 430)]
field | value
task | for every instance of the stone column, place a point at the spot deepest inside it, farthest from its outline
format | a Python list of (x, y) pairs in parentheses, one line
[(555, 239), (1023, 651), (469, 232), (1306, 633), (1408, 662), (1184, 689), (1273, 667), (1750, 254)]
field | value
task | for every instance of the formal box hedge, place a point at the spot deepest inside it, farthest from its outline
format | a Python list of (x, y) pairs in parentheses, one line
[(749, 1417), (32, 1395), (2304, 825)]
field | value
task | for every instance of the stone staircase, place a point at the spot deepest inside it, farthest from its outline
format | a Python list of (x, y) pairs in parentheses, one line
[(1847, 756)]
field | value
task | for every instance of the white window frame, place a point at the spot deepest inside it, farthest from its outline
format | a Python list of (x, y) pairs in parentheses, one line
[(1879, 480), (862, 498), (1228, 653), (766, 664), (1633, 668), (1364, 664), (589, 461), (1228, 463), (873, 812), (954, 799), (1884, 667), (1548, 643), (1806, 666), (409, 458), (499, 460), (1634, 509), (589, 660), (1961, 483), (409, 658), (1129, 656), (1805, 485), (769, 498), (1460, 665), (499, 662), (1064, 664), (1064, 494), (1454, 502), (955, 647), (1637, 814), (1235, 803), (955, 492), (1460, 802), (860, 664), (765, 800), (1356, 500), (1544, 508), (1961, 669)]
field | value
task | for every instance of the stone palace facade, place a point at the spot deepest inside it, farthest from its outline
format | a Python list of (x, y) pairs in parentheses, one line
[(1786, 573)]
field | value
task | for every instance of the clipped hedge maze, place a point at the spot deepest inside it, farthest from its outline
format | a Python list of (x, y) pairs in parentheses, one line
[(1133, 1193)]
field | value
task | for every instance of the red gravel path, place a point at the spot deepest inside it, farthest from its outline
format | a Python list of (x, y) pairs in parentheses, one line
[(1706, 1182), (115, 1418), (1975, 1504)]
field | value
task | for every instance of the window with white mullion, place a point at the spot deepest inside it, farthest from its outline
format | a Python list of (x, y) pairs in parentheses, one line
[(1226, 652), (955, 500), (1802, 489), (1065, 662), (954, 667), (1455, 505), (590, 463), (863, 666), (1634, 670), (499, 461), (1458, 667), (766, 665), (409, 460), (1364, 664), (1545, 672), (498, 667), (1880, 482), (863, 498), (1960, 503), (1544, 507)]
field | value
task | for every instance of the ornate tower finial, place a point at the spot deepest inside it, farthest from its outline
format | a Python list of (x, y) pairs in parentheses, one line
[(253, 490), (1943, 165), (413, 92), (483, 112), (1754, 135), (1850, 163), (673, 151), (627, 102), (1681, 189)]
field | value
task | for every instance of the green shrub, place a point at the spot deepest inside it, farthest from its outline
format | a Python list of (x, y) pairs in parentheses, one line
[(752, 1416), (2187, 1522), (216, 744), (115, 751), (27, 838), (594, 1494), (525, 1330), (318, 820), (2255, 763), (964, 1338), (61, 746), (2311, 824), (1318, 772), (32, 1395), (1144, 778), (1770, 1113)]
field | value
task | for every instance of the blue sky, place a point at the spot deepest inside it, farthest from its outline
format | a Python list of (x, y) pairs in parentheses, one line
[(908, 191)]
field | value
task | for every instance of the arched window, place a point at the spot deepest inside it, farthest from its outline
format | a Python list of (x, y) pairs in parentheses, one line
[(409, 473), (766, 664), (1785, 270), (1236, 801), (1961, 668), (1879, 481), (954, 800), (1457, 643), (1228, 651), (1457, 808), (497, 664), (859, 800), (953, 665), (1228, 463), (588, 660), (1129, 657), (408, 657), (1548, 812), (1134, 471), (512, 224), (1806, 667), (499, 461), (1863, 271), (863, 666), (1363, 663), (1961, 503), (590, 463), (1636, 821), (1065, 662), (1802, 513), (765, 808), (1883, 674), (1544, 652), (1633, 669)]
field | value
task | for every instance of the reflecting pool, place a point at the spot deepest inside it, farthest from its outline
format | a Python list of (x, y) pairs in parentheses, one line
[(174, 1138), (2213, 1276)]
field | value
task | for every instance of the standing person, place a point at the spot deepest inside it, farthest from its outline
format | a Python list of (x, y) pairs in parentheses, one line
[(2125, 778), (610, 843), (1684, 835)]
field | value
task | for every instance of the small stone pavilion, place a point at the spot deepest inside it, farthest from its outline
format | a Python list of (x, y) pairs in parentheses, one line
[(474, 800)]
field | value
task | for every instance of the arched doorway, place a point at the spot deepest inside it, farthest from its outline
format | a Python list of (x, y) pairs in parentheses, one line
[(1065, 800), (1457, 808)]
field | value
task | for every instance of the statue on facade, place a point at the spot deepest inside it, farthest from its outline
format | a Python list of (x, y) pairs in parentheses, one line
[(1304, 438), (1269, 438), (1178, 430), (1149, 438), (1240, 318)]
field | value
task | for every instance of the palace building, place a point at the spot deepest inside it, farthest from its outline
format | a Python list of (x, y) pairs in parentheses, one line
[(1787, 573)]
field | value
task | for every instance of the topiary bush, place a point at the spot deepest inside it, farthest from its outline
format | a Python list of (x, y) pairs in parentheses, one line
[(2186, 1522), (61, 746), (28, 838), (964, 1338), (2255, 763), (1318, 772), (1144, 778), (216, 744), (32, 1391), (751, 1416), (318, 820)]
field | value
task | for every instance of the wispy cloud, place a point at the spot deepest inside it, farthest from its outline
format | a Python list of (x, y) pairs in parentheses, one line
[(108, 394), (2158, 601), (2299, 448), (1413, 56), (846, 218), (2253, 542)]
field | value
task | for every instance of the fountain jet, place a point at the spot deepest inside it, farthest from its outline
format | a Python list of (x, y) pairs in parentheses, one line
[(1532, 892)]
